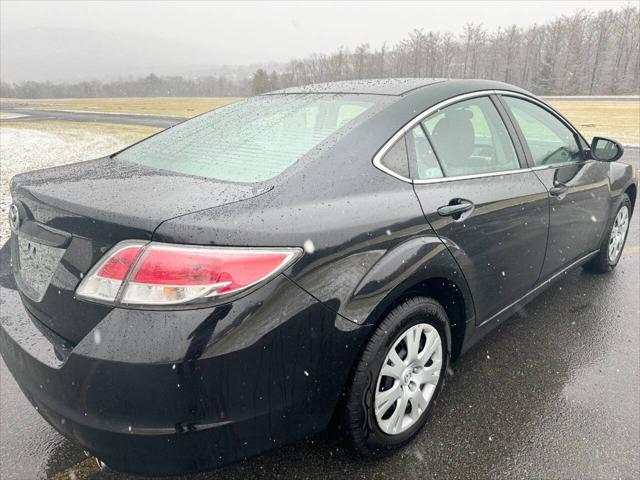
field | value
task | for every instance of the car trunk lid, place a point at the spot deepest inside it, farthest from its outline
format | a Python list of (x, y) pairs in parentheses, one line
[(69, 216)]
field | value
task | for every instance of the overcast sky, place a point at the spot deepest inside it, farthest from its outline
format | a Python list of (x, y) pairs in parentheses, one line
[(242, 33)]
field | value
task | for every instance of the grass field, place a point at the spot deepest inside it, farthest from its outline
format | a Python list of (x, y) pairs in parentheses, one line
[(71, 130), (619, 119)]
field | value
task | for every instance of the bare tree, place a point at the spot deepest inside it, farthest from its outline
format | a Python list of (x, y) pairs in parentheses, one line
[(361, 55), (602, 26)]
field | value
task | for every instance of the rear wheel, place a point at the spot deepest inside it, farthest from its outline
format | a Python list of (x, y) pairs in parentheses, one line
[(398, 377), (613, 244)]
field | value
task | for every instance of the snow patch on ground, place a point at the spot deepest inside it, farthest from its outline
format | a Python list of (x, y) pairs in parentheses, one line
[(25, 149)]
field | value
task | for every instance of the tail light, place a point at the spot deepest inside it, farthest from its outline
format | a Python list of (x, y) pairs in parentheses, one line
[(137, 274)]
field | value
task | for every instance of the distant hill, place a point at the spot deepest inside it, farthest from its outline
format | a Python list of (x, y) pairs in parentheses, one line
[(72, 55)]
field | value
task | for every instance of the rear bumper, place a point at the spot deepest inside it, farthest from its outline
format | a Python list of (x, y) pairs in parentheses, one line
[(171, 392)]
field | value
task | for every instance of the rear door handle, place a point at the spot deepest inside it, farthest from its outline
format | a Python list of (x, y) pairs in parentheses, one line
[(558, 190), (455, 208)]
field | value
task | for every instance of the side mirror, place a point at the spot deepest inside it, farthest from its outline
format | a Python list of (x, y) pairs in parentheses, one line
[(605, 150)]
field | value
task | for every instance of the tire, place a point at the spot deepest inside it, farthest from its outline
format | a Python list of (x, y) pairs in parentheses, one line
[(418, 315), (603, 262)]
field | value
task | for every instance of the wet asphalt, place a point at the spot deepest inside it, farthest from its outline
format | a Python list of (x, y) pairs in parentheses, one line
[(34, 115), (553, 392)]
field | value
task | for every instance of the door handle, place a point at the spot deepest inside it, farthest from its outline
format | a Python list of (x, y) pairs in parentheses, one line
[(455, 208), (558, 190)]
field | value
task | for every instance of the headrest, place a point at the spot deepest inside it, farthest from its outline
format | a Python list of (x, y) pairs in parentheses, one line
[(454, 137)]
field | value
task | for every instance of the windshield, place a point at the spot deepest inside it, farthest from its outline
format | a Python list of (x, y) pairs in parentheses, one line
[(250, 141)]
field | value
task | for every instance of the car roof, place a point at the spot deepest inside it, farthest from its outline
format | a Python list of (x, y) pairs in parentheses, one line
[(391, 86), (374, 86)]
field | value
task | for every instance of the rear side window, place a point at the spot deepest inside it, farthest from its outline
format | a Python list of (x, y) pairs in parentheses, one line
[(396, 159), (470, 138), (250, 141), (549, 140)]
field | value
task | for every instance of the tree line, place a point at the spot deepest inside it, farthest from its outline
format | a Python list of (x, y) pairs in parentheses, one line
[(149, 86), (584, 53)]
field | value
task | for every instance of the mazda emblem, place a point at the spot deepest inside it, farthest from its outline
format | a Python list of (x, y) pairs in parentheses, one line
[(14, 217)]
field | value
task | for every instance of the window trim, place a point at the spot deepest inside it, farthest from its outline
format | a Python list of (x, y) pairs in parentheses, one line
[(458, 98), (468, 177)]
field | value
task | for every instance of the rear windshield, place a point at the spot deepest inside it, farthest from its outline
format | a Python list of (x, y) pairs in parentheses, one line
[(250, 141)]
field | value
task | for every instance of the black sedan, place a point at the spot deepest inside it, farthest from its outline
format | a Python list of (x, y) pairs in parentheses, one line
[(311, 256)]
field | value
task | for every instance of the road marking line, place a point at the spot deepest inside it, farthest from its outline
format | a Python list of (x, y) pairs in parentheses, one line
[(631, 250)]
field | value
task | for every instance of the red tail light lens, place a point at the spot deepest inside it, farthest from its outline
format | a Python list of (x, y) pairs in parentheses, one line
[(105, 279), (163, 274), (117, 266)]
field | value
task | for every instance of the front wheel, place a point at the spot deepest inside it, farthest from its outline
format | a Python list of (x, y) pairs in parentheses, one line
[(613, 244), (398, 377)]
